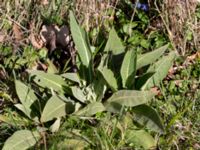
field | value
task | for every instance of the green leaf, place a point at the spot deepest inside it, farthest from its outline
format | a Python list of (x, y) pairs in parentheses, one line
[(27, 98), (140, 138), (143, 79), (149, 58), (72, 77), (54, 108), (80, 40), (128, 28), (147, 116), (78, 94), (28, 114), (114, 43), (99, 86), (128, 69), (91, 109), (145, 43), (56, 125), (22, 140), (48, 80), (51, 67), (109, 78), (129, 98), (161, 69)]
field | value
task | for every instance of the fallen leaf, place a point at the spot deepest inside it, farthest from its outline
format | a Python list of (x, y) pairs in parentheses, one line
[(36, 42), (178, 82), (191, 59), (17, 32), (2, 37), (155, 90)]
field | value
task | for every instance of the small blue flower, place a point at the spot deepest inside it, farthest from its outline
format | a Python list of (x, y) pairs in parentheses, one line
[(141, 6)]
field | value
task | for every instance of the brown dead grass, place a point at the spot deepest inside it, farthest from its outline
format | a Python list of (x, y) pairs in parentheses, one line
[(179, 19), (93, 13)]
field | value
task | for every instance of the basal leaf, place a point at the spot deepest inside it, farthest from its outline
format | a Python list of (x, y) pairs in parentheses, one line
[(109, 78), (22, 140), (78, 94), (128, 69), (147, 116), (56, 125), (140, 138), (150, 57), (80, 40), (72, 77), (48, 80), (27, 98), (161, 69), (129, 98), (114, 43), (27, 112), (99, 86), (91, 109), (54, 108), (83, 49), (140, 81)]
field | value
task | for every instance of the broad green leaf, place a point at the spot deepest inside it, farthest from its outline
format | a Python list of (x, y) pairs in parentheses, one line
[(114, 43), (78, 94), (28, 114), (140, 138), (99, 86), (72, 77), (27, 98), (147, 116), (48, 80), (109, 78), (91, 109), (128, 69), (22, 140), (140, 81), (54, 108), (80, 40), (150, 57), (129, 98), (161, 69), (56, 125)]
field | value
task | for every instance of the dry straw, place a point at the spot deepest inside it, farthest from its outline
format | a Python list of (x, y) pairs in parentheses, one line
[(180, 20)]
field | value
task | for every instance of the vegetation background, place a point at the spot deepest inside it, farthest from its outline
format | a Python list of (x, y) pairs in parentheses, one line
[(99, 74)]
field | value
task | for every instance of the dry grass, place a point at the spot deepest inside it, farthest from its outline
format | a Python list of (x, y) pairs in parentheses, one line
[(178, 17), (93, 13), (180, 21)]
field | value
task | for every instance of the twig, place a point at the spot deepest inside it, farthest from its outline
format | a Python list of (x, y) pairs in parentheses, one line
[(10, 19)]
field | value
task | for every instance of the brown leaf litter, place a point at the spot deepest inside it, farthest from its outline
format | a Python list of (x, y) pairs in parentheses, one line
[(2, 37), (17, 32)]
